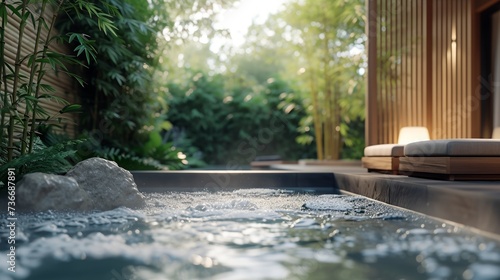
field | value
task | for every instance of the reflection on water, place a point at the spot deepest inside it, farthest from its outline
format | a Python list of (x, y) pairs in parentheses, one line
[(248, 234)]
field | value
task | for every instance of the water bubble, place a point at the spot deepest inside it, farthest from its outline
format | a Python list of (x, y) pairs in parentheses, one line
[(334, 233), (468, 274), (485, 271)]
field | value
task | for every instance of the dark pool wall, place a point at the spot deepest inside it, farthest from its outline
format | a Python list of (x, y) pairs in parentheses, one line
[(319, 182)]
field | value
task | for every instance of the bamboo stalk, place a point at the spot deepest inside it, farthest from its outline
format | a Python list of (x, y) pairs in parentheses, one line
[(34, 67), (10, 144), (318, 130), (337, 121), (3, 82), (42, 72), (328, 92)]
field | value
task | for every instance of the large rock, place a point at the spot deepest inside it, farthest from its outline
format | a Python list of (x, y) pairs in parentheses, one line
[(108, 185), (41, 192)]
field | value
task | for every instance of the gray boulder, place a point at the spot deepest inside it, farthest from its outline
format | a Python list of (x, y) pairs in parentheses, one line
[(108, 185), (41, 192)]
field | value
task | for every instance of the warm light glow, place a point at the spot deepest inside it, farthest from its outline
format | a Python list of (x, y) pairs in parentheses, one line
[(409, 134), (454, 52), (496, 133)]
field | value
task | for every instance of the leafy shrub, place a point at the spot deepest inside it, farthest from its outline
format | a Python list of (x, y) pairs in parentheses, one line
[(123, 109), (233, 126), (151, 156), (53, 159)]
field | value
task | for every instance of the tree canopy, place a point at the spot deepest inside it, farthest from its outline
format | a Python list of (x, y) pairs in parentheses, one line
[(317, 47)]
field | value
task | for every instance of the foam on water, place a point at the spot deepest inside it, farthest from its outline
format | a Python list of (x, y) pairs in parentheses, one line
[(248, 234), (329, 202)]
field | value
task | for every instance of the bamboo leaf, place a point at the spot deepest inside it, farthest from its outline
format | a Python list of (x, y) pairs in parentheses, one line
[(10, 69), (45, 60), (24, 18), (33, 20), (29, 98), (47, 88), (31, 59), (15, 9), (72, 108), (105, 24), (76, 77), (55, 98)]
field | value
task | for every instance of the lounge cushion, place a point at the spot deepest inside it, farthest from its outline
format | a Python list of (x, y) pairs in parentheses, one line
[(454, 148), (385, 150)]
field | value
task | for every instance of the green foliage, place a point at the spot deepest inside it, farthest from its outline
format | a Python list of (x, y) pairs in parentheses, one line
[(329, 33), (234, 125), (317, 44), (119, 90), (122, 103), (161, 157), (129, 161), (25, 95), (354, 140), (54, 159)]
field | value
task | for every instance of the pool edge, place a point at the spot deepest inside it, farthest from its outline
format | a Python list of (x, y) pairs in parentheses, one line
[(474, 204)]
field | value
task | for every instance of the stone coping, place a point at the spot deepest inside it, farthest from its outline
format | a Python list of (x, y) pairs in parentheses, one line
[(475, 204), (472, 203)]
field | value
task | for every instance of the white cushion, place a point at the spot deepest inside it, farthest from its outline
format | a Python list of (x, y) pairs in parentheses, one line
[(454, 147), (385, 150)]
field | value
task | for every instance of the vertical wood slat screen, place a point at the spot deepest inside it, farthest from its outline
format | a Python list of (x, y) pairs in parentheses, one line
[(64, 85), (451, 47), (423, 65)]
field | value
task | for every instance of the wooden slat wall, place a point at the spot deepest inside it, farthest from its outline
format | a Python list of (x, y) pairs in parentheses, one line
[(451, 47), (63, 84), (423, 65), (400, 57)]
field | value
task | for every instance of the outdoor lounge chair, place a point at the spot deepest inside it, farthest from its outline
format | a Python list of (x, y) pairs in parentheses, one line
[(453, 159), (384, 158)]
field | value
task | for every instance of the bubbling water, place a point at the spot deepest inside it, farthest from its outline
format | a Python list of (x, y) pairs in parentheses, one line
[(248, 234)]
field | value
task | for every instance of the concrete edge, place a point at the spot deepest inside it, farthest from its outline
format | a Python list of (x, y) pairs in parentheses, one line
[(477, 209)]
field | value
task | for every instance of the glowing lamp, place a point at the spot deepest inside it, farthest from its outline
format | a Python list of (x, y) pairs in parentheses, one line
[(496, 133), (409, 134)]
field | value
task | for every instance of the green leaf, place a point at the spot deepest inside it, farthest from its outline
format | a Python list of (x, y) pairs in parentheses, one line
[(166, 125), (15, 9), (72, 108), (47, 88)]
